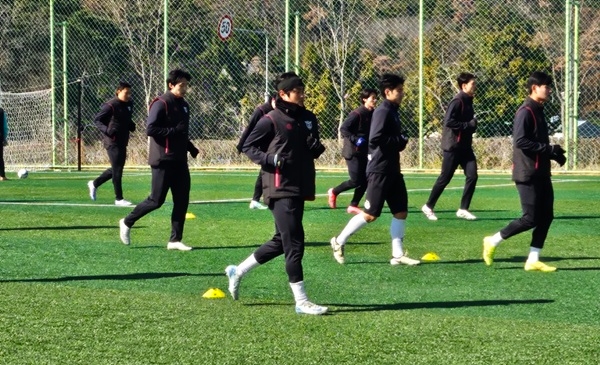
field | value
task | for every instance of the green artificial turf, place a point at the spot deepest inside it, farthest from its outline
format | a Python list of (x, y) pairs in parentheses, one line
[(71, 293)]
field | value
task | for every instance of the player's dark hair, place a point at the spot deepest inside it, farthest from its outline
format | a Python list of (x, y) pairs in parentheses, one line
[(538, 78), (176, 76), (283, 76), (287, 81), (464, 78), (122, 85), (365, 94), (389, 81)]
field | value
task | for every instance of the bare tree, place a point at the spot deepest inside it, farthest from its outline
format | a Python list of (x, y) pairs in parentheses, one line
[(338, 24), (141, 24)]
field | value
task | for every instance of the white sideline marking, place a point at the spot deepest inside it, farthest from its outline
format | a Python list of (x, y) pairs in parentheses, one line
[(242, 200)]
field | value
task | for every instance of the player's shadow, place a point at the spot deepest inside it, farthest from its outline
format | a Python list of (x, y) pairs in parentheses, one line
[(32, 201), (325, 207), (199, 247), (519, 259), (345, 307), (568, 217), (134, 276), (418, 211), (323, 244), (367, 263), (516, 216), (55, 228), (558, 269)]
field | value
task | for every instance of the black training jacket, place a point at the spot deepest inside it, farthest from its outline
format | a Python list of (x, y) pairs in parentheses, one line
[(115, 122), (385, 140), (258, 113), (166, 144), (456, 133), (531, 144), (356, 125), (285, 131)]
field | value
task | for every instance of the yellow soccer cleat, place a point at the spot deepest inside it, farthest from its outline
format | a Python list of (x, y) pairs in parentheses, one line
[(539, 266), (488, 251)]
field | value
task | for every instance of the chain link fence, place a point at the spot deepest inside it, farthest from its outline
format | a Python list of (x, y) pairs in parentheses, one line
[(339, 47)]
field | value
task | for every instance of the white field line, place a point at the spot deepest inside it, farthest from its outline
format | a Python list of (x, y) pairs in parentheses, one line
[(241, 200)]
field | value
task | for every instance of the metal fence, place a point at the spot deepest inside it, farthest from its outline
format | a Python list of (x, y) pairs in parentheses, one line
[(339, 47)]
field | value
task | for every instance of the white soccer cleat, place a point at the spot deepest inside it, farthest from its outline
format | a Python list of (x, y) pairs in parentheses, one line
[(338, 251), (178, 246), (428, 213), (92, 189), (465, 214), (123, 203), (257, 205), (234, 281), (124, 232), (404, 260), (307, 307)]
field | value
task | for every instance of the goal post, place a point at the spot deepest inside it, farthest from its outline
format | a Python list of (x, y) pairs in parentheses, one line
[(29, 130)]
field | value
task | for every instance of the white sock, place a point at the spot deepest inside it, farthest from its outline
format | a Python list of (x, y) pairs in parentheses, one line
[(299, 292), (397, 232), (353, 226), (534, 254), (496, 239), (247, 265)]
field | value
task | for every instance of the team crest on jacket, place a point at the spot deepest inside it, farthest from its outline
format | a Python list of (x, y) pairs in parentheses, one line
[(129, 108), (308, 124), (185, 109)]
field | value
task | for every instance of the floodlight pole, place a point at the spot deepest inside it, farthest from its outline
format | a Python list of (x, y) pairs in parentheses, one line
[(421, 84), (287, 35), (571, 96), (79, 129), (166, 40), (576, 9), (65, 94), (297, 43), (267, 94), (52, 84)]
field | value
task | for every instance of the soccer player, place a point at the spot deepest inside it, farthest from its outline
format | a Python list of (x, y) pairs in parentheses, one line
[(355, 131), (4, 137), (532, 153), (385, 182), (168, 129), (115, 122), (258, 113), (457, 139), (285, 143)]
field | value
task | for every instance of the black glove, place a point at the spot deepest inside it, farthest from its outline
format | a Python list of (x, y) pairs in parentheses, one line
[(315, 146), (561, 159), (193, 151), (556, 149), (276, 161), (181, 128), (403, 141), (112, 130), (472, 123), (132, 127)]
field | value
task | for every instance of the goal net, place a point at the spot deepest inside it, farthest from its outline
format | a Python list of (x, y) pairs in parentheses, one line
[(29, 129)]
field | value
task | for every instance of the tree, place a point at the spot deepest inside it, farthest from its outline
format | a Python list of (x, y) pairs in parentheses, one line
[(24, 40), (337, 24), (141, 25)]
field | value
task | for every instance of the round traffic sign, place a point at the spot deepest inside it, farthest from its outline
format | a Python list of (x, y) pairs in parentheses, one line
[(225, 27)]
